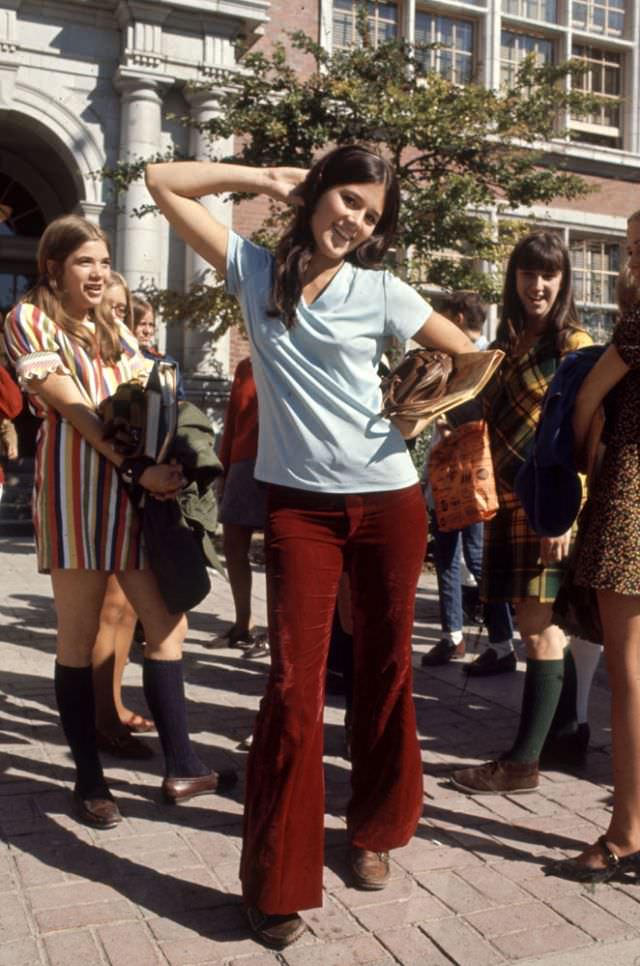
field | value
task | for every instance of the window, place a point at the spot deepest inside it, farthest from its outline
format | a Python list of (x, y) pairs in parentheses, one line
[(596, 263), (382, 23), (532, 9), (515, 47), (454, 60), (599, 16), (603, 77)]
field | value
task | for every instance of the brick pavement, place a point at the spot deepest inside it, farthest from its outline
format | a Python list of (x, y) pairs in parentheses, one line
[(162, 888)]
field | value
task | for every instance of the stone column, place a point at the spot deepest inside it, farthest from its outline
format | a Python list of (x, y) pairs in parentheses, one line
[(202, 356), (139, 240)]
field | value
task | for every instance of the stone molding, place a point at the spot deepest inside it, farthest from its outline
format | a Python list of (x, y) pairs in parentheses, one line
[(83, 153)]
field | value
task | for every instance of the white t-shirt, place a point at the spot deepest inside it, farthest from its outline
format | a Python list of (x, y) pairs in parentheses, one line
[(319, 396)]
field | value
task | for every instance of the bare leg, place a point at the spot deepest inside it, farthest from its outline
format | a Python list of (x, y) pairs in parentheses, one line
[(620, 615), (544, 641), (123, 641), (78, 597), (113, 641), (236, 544)]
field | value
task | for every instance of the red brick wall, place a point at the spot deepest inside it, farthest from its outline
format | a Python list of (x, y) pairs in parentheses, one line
[(608, 197), (285, 16)]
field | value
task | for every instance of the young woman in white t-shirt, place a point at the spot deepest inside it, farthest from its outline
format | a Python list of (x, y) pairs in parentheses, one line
[(342, 495)]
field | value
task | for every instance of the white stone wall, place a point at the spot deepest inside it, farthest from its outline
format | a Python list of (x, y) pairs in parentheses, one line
[(83, 84)]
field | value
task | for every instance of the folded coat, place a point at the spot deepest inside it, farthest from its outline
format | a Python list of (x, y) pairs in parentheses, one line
[(178, 534), (548, 484)]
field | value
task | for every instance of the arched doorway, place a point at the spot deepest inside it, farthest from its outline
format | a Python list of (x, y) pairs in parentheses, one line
[(36, 185), (19, 234)]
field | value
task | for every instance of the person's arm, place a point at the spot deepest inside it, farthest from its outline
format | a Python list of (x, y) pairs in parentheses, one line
[(60, 393), (175, 187), (606, 373), (439, 333)]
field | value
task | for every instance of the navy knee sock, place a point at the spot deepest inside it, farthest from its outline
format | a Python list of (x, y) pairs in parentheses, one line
[(76, 704), (164, 691)]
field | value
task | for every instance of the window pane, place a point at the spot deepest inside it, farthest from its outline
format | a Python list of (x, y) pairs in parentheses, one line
[(599, 16), (454, 60)]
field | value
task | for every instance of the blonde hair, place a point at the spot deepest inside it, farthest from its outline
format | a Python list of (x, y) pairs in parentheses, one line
[(627, 286), (118, 279), (60, 240), (627, 290)]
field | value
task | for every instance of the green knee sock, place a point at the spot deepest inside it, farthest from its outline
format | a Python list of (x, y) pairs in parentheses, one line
[(542, 687), (565, 720)]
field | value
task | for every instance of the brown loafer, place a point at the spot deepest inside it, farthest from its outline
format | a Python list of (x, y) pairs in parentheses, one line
[(370, 869), (498, 778), (275, 931), (124, 746), (99, 811), (177, 790)]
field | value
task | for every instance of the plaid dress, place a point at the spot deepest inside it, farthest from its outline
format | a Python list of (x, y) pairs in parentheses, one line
[(511, 567)]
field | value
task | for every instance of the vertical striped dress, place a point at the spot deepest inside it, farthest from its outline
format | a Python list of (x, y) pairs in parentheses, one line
[(82, 516)]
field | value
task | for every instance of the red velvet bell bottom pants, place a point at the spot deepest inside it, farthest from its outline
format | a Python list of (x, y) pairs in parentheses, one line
[(379, 539)]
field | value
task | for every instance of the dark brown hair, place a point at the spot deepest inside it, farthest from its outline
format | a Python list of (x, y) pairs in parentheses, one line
[(542, 251), (466, 303), (61, 239), (351, 164)]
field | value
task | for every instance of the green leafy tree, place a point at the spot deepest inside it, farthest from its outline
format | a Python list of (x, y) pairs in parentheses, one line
[(460, 151)]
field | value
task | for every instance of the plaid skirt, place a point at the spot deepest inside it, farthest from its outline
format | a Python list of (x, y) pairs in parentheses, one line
[(511, 567)]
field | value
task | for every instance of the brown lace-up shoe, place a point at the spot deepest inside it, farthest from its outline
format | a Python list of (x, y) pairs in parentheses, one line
[(275, 931), (498, 778), (370, 869)]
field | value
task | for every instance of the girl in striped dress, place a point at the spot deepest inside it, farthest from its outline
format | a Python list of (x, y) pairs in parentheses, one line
[(69, 355)]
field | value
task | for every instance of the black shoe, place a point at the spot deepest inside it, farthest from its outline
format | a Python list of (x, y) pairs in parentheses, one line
[(615, 866), (568, 749), (489, 663), (443, 652), (259, 648)]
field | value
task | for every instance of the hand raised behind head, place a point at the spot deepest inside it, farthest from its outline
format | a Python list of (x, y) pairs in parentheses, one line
[(284, 184)]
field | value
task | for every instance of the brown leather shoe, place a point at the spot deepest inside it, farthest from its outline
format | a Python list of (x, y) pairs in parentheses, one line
[(99, 812), (275, 931), (498, 778), (370, 869), (124, 746), (182, 789)]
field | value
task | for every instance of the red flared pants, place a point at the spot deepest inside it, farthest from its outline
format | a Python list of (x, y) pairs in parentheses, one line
[(379, 539)]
